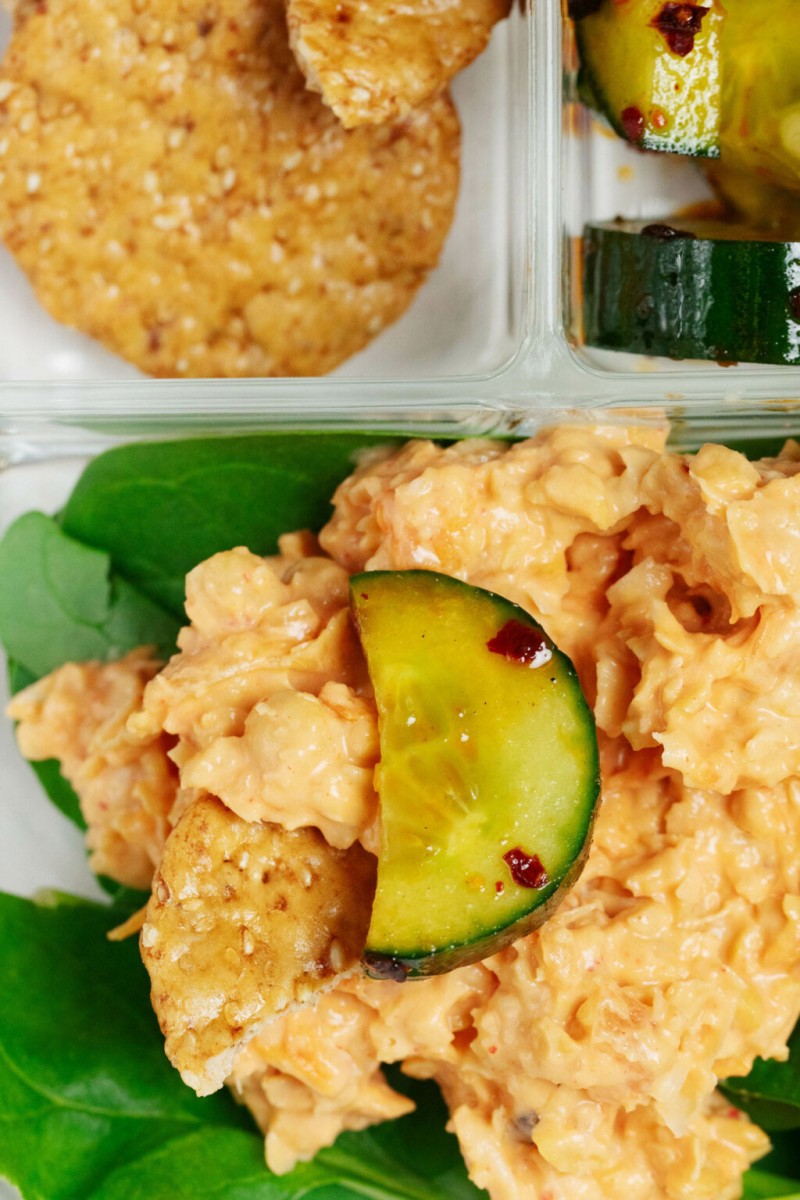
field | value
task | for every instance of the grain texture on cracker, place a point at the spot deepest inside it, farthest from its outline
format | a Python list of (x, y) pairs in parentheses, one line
[(376, 60), (246, 919), (172, 188)]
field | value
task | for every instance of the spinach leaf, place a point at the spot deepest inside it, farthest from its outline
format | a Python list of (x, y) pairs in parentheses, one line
[(61, 601), (48, 772), (110, 575), (63, 796), (91, 1110), (225, 1163), (60, 792), (159, 508), (761, 1185), (770, 1094), (783, 1158), (83, 1083)]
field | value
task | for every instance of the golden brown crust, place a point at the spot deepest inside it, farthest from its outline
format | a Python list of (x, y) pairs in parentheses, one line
[(172, 188), (376, 60), (245, 920)]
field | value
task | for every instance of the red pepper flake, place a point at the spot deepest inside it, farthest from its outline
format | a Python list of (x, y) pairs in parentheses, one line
[(680, 25), (633, 123), (365, 595), (499, 887), (526, 869), (520, 643)]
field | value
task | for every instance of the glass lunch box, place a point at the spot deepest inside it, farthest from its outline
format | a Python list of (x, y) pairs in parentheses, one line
[(490, 341), (489, 346)]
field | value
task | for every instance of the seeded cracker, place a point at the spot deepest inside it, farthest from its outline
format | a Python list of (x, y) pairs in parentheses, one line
[(172, 188), (246, 919), (376, 60)]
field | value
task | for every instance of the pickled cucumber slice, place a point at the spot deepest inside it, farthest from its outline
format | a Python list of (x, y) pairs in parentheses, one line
[(652, 69), (488, 776), (684, 288), (760, 101), (751, 200)]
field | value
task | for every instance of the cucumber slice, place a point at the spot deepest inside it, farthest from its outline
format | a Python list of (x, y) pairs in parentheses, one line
[(488, 776), (691, 289), (760, 130), (653, 69), (752, 200)]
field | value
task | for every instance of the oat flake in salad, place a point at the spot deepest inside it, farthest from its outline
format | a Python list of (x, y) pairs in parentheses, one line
[(581, 1062)]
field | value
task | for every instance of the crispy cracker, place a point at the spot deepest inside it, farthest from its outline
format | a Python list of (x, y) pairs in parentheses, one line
[(245, 921), (376, 60), (172, 188)]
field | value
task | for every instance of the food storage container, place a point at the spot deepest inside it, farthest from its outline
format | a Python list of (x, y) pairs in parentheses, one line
[(491, 345), (492, 340)]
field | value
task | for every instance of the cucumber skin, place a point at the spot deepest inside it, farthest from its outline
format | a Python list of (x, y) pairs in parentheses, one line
[(399, 968), (592, 93), (726, 301)]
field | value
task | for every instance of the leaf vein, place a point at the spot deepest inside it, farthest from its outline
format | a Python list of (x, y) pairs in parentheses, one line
[(96, 1110)]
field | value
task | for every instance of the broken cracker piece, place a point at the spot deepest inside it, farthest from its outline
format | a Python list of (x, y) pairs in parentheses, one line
[(376, 60), (171, 187), (246, 920)]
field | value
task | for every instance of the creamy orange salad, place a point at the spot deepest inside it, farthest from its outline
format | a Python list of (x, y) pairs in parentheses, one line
[(580, 1063)]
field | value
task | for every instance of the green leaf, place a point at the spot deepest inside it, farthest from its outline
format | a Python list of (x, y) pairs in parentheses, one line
[(770, 1094), (63, 796), (97, 584), (61, 602), (48, 772), (60, 792), (91, 1110), (760, 1185), (224, 1163), (783, 1158), (18, 677), (159, 508), (84, 1082)]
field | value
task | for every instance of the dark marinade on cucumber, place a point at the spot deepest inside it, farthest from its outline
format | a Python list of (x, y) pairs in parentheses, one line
[(488, 776), (760, 109)]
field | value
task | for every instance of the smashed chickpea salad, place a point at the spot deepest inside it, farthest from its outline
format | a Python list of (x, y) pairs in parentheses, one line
[(582, 1061)]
